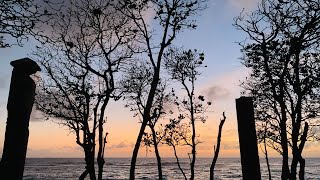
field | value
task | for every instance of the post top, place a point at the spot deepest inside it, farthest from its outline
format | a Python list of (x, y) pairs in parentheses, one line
[(245, 97), (26, 65)]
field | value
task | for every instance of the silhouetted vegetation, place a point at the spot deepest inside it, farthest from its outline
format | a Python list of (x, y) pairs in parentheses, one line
[(172, 17), (183, 67), (217, 148), (18, 20), (136, 84), (89, 44), (95, 52), (283, 55), (177, 134), (262, 138)]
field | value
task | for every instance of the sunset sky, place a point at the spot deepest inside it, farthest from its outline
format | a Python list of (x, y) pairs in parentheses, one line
[(219, 83)]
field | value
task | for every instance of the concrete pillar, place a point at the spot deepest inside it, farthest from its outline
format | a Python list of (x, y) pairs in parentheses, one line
[(20, 102), (247, 139)]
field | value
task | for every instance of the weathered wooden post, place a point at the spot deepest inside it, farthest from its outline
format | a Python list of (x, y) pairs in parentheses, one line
[(20, 102), (247, 139)]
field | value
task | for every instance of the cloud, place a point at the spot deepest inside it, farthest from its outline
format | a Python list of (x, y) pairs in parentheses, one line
[(121, 145), (216, 92), (226, 86)]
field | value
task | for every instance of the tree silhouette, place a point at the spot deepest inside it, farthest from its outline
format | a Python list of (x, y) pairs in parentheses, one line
[(183, 65), (89, 45), (217, 148), (136, 84), (177, 134), (262, 135), (171, 17), (283, 54), (19, 19)]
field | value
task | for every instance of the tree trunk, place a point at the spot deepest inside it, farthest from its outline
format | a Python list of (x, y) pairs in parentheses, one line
[(193, 151), (296, 125), (84, 174), (295, 156), (100, 167), (178, 162), (267, 158), (193, 137), (284, 144), (301, 146), (136, 150), (285, 174), (302, 168), (154, 138), (216, 150), (146, 119), (89, 159), (100, 155)]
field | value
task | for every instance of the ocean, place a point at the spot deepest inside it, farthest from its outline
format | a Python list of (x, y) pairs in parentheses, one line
[(146, 169)]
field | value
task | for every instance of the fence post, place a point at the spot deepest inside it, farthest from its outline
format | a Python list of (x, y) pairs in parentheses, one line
[(247, 139), (19, 107)]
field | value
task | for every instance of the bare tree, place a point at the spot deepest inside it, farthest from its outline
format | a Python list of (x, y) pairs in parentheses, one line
[(177, 134), (172, 17), (136, 84), (19, 19), (262, 135), (89, 45), (183, 67), (283, 54), (217, 148)]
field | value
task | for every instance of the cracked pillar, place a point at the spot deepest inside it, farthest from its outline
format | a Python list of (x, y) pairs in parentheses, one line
[(20, 102), (247, 139)]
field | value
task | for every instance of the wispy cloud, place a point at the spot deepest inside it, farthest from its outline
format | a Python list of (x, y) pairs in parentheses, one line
[(224, 89), (121, 145), (216, 92)]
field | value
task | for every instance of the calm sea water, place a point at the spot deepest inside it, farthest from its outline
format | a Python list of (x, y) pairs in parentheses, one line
[(118, 168)]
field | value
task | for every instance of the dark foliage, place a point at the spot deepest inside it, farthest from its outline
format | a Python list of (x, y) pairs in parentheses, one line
[(19, 19), (85, 53), (173, 17), (283, 55)]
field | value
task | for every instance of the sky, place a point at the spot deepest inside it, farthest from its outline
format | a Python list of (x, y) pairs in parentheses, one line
[(216, 37)]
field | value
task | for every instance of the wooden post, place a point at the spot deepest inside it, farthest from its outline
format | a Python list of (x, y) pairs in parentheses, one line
[(20, 102), (247, 139)]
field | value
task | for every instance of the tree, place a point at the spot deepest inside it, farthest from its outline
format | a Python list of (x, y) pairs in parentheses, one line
[(262, 135), (283, 54), (135, 84), (177, 134), (89, 45), (171, 17), (182, 66), (217, 149), (18, 19)]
